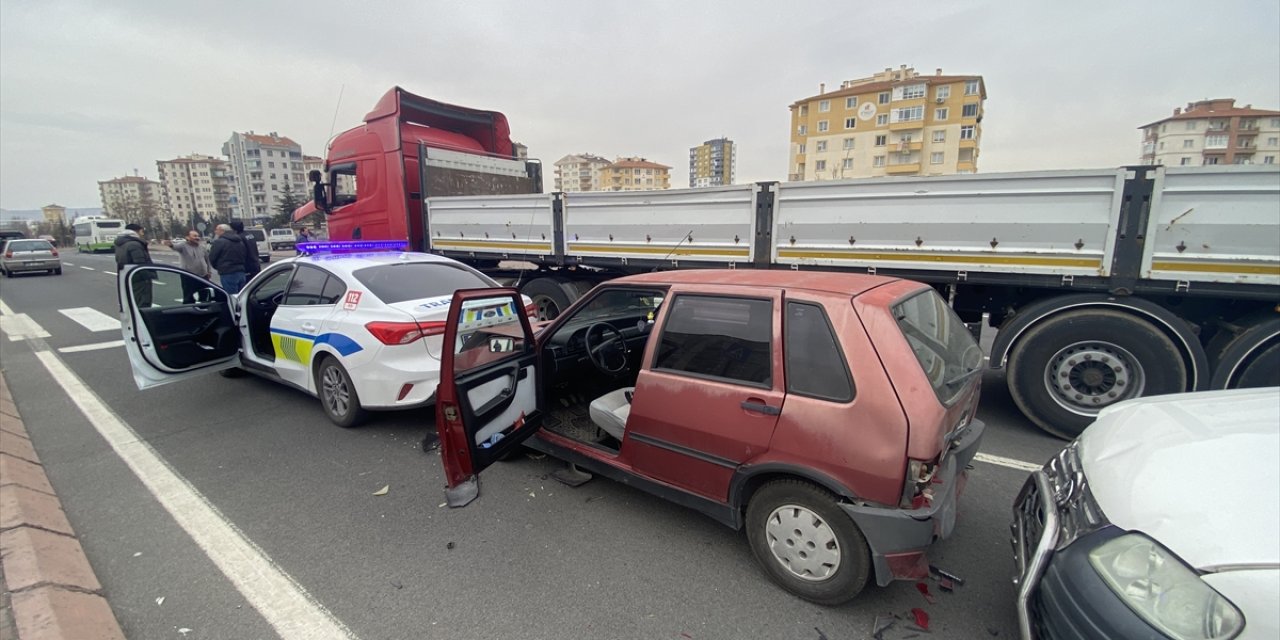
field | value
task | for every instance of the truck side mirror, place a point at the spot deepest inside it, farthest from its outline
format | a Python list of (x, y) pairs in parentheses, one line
[(318, 193)]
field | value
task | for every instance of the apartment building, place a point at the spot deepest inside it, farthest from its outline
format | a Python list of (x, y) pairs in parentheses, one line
[(1213, 132), (893, 123), (713, 163), (261, 166), (133, 198), (195, 188), (54, 213), (635, 174), (579, 172)]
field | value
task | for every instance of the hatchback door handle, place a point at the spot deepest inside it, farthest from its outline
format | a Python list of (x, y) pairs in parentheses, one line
[(760, 407), (307, 326)]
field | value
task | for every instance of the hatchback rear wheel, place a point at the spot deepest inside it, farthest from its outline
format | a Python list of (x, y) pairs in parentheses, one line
[(806, 544), (337, 394)]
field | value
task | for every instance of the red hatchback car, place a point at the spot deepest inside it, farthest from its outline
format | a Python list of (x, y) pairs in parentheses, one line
[(831, 415)]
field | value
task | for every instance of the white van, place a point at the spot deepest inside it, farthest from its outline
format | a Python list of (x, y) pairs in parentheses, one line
[(259, 236)]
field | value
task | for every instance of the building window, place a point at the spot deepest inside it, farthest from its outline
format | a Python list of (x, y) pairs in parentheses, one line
[(882, 119), (801, 151), (909, 92), (970, 111), (908, 114), (1211, 160), (883, 98), (820, 146), (824, 106), (940, 136), (848, 144), (971, 87), (1191, 125), (941, 114), (851, 102), (943, 92), (936, 157), (820, 165), (850, 123), (1214, 142), (1268, 160), (882, 140), (847, 163), (804, 129), (1188, 144), (877, 161), (1273, 142), (823, 126), (804, 110), (967, 132)]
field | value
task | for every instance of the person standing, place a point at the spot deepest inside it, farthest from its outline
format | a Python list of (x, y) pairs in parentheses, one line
[(193, 257), (227, 256), (252, 263), (303, 236), (131, 249)]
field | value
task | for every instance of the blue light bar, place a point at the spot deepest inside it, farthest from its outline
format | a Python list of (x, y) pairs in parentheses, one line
[(352, 246)]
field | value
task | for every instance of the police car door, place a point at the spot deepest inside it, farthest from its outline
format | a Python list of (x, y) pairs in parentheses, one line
[(488, 401), (299, 322), (175, 325)]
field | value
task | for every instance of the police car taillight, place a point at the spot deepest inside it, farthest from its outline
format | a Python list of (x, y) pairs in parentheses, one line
[(398, 333)]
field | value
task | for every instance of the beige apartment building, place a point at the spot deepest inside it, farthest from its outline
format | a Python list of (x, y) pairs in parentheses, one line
[(894, 123), (133, 198), (713, 163), (579, 172), (635, 174), (195, 188), (261, 167), (1212, 132)]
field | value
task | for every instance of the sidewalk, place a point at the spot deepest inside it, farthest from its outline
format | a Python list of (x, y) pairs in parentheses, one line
[(49, 591)]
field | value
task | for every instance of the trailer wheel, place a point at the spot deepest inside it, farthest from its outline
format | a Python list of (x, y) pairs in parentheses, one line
[(1071, 366), (551, 295), (1251, 359)]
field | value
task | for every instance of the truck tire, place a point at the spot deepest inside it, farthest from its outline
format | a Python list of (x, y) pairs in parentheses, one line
[(1070, 366), (1250, 359), (806, 544), (551, 295)]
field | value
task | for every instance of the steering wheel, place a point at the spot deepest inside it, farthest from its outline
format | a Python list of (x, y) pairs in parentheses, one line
[(604, 349)]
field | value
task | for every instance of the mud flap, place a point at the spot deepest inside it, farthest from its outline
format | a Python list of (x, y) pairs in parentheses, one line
[(463, 494), (572, 476)]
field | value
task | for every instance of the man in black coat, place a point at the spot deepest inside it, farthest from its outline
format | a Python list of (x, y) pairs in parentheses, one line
[(252, 263), (227, 258), (131, 249)]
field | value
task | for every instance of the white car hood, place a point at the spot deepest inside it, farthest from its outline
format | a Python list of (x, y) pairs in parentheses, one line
[(1196, 472)]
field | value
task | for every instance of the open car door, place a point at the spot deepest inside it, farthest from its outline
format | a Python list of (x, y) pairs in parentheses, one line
[(488, 400), (175, 325)]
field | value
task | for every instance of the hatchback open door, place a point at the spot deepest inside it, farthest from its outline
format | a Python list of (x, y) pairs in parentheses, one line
[(175, 325), (488, 400)]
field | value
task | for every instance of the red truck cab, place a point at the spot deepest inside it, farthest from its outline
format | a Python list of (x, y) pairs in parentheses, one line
[(372, 184)]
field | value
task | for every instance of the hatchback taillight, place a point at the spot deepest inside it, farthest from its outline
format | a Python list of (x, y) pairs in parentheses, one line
[(398, 333), (8, 254), (55, 252)]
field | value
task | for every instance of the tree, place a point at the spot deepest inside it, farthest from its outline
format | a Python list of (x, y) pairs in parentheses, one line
[(286, 203)]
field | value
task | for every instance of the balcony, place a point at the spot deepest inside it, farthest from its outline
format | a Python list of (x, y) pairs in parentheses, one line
[(967, 166), (968, 143), (906, 125), (795, 177), (906, 146), (902, 168)]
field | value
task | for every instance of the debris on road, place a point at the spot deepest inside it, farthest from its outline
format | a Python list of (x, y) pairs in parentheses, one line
[(944, 574), (922, 618), (946, 584), (923, 588), (159, 601), (877, 629), (383, 491), (450, 545), (821, 635)]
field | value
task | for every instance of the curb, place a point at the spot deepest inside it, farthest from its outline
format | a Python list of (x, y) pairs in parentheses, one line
[(52, 591)]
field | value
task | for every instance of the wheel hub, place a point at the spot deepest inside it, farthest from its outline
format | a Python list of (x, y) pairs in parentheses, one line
[(335, 391), (1087, 376), (802, 543)]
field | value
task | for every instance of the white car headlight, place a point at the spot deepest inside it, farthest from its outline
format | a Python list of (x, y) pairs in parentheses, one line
[(1163, 590)]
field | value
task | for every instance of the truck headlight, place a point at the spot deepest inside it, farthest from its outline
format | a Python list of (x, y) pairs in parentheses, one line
[(1163, 590)]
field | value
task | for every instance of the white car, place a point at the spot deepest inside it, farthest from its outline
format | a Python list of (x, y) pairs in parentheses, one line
[(359, 331), (1162, 520)]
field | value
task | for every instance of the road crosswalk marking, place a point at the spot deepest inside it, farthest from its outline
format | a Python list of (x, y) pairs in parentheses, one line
[(19, 326), (92, 347), (91, 318)]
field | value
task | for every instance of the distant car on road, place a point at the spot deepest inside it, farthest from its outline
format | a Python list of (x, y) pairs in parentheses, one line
[(359, 331), (25, 256), (281, 238), (1160, 521)]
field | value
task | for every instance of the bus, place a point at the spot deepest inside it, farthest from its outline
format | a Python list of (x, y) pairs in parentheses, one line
[(97, 234)]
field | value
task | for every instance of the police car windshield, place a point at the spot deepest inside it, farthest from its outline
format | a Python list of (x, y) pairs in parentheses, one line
[(393, 283)]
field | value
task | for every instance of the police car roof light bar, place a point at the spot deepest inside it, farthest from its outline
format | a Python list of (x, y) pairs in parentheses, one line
[(352, 246)]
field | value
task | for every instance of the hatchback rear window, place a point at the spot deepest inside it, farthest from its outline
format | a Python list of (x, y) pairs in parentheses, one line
[(29, 245), (942, 344), (393, 283)]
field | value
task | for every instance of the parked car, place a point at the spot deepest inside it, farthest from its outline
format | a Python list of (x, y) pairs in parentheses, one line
[(281, 238), (1160, 521), (830, 415), (23, 255), (359, 331)]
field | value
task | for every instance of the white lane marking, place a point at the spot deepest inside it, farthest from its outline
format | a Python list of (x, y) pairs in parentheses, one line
[(1007, 462), (19, 326), (88, 268), (69, 264), (92, 347), (286, 606), (91, 318)]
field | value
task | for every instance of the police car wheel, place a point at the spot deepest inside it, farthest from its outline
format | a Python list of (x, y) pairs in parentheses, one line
[(337, 394)]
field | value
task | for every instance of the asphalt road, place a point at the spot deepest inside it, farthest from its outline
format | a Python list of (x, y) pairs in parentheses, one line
[(530, 559)]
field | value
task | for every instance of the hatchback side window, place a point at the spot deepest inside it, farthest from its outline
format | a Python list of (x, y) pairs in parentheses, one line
[(815, 363), (333, 291), (307, 287), (715, 337)]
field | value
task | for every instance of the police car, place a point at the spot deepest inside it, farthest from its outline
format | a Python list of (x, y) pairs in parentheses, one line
[(357, 328)]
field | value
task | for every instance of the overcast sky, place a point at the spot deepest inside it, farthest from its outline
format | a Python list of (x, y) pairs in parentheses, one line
[(94, 90)]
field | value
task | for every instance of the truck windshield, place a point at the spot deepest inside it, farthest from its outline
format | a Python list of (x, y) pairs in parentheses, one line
[(943, 345), (399, 282)]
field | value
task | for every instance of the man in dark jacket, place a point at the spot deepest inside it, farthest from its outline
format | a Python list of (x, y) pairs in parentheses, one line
[(131, 249), (227, 258), (252, 263)]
